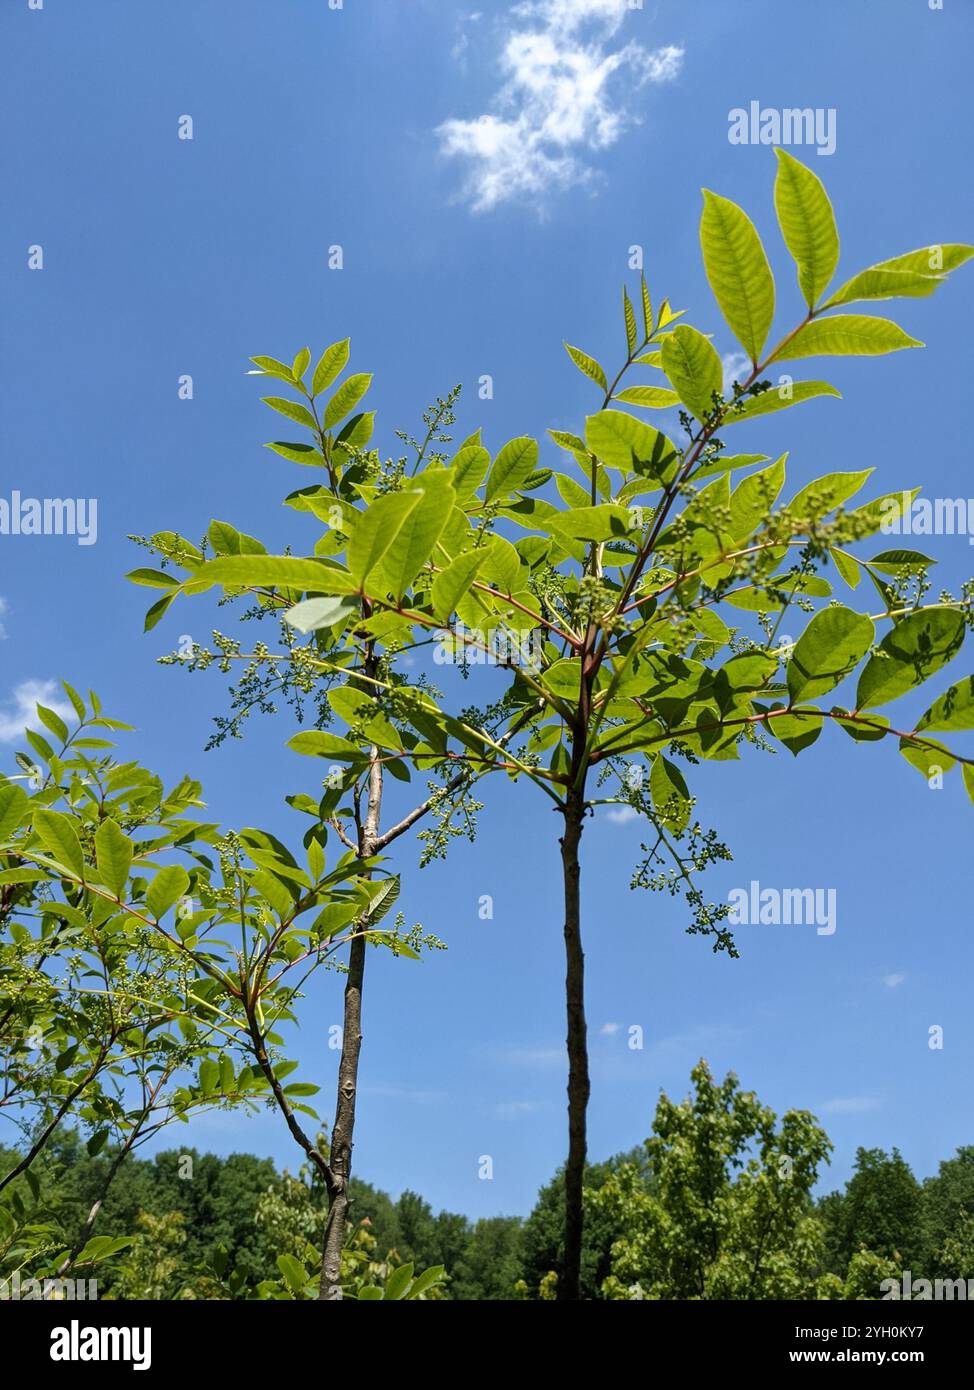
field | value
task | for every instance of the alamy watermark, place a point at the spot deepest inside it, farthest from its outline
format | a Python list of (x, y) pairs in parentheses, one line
[(50, 516), (757, 906), (788, 125), (19, 1290), (495, 646), (925, 1290), (906, 515)]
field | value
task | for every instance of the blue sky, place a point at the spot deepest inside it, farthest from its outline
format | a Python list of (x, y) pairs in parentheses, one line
[(316, 126)]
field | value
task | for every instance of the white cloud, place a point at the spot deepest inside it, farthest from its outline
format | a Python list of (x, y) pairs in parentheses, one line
[(850, 1105), (736, 366), (512, 1109), (18, 713), (558, 100), (891, 981), (462, 42), (608, 1029), (621, 815)]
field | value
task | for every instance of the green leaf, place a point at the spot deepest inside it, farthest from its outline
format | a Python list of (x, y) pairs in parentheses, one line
[(169, 885), (356, 432), (75, 698), (57, 834), (273, 892), (113, 855), (647, 307), (807, 224), (847, 565), (468, 470), (796, 731), (845, 335), (928, 758), (779, 398), (930, 260), (629, 313), (601, 523), (917, 647), (587, 366), (568, 441), (513, 465), (451, 584), (300, 364), (895, 561), (870, 517), (376, 529), (832, 645), (968, 773), (563, 678), (227, 1077), (152, 579), (332, 918), (398, 1283), (738, 271), (157, 612), (621, 441), (426, 1280), (693, 367), (346, 398), (315, 613), (275, 571), (649, 397), (502, 565), (13, 806), (53, 721), (671, 796), (101, 1248), (97, 1142), (294, 1273), (331, 364), (319, 744), (305, 454), (753, 498), (877, 283), (822, 496), (269, 366), (382, 897), (292, 410), (953, 710), (416, 537)]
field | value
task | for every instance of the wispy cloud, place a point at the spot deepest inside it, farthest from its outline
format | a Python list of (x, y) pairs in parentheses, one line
[(891, 981), (850, 1105), (516, 1109), (735, 367), (461, 43), (608, 1029), (621, 815), (561, 100), (18, 713)]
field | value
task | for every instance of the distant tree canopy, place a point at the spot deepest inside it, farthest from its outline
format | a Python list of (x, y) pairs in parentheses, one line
[(717, 1204)]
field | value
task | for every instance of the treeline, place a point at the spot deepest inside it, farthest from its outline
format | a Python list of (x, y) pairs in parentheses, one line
[(716, 1204)]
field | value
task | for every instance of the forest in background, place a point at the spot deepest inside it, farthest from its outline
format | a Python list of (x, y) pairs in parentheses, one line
[(704, 1209)]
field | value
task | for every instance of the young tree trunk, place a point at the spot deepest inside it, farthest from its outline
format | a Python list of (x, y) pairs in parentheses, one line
[(578, 1081), (340, 1160)]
